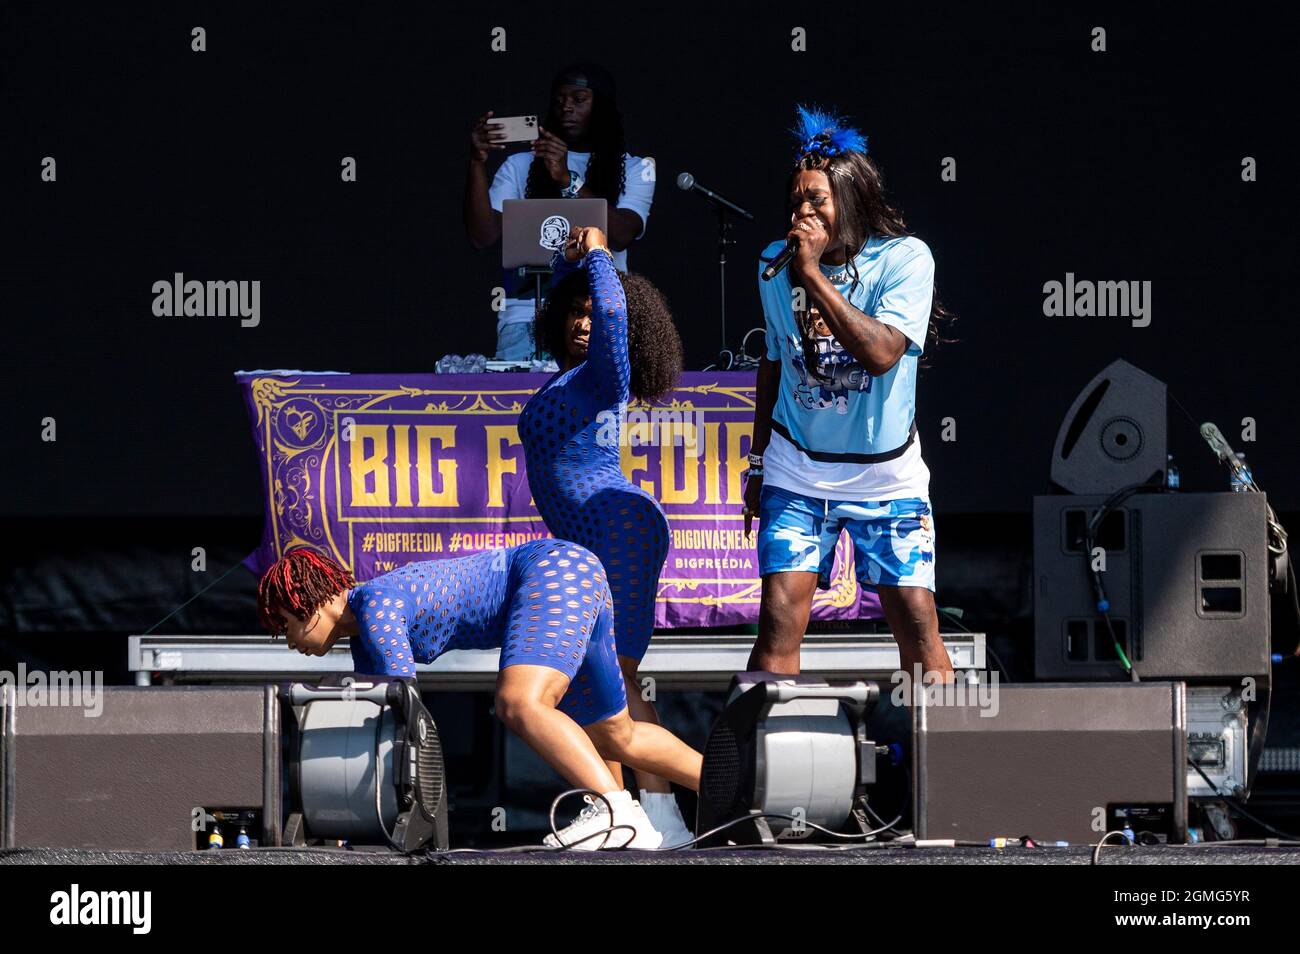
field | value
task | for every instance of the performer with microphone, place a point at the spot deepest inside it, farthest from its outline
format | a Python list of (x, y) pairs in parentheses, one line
[(848, 298)]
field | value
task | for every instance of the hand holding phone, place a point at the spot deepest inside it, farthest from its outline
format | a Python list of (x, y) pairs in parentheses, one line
[(516, 128), (483, 138)]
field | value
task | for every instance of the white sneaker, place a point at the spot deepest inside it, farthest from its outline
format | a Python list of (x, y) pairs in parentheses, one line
[(595, 818), (661, 808)]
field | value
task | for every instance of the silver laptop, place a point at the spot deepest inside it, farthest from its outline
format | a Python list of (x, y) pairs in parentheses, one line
[(532, 230)]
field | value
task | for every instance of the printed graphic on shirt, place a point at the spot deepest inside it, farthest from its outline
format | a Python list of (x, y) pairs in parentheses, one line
[(825, 373)]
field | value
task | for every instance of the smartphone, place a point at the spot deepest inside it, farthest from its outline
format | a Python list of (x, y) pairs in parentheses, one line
[(516, 128)]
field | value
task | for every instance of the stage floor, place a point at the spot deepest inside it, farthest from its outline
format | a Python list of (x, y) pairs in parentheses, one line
[(1178, 855)]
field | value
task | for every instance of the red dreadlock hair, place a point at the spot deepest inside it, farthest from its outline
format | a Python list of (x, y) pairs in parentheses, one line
[(301, 581)]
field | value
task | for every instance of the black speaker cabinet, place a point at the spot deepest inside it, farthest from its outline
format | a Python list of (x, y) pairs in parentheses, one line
[(132, 776), (1055, 762), (1186, 578), (1114, 433)]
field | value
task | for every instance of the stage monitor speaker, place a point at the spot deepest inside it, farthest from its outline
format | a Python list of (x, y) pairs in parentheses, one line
[(138, 768), (365, 764), (786, 750), (1114, 433), (1053, 762), (1186, 576)]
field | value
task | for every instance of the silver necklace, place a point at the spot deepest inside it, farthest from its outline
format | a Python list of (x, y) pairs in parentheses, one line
[(836, 277)]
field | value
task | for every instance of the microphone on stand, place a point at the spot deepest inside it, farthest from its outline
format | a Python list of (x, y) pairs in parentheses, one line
[(724, 206), (686, 182)]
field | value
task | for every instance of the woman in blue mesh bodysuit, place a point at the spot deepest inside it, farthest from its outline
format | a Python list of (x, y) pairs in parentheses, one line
[(546, 606), (614, 337)]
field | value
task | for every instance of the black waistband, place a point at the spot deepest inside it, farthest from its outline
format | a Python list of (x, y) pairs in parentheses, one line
[(848, 458)]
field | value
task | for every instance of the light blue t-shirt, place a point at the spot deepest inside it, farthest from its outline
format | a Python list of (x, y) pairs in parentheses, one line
[(842, 413)]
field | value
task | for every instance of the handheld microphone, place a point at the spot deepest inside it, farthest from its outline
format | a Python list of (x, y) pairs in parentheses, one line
[(686, 182), (778, 264)]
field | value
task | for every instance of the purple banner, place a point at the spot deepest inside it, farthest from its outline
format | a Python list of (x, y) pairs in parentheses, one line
[(378, 470)]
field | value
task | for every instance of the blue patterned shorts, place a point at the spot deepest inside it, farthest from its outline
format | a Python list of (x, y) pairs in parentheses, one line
[(893, 540)]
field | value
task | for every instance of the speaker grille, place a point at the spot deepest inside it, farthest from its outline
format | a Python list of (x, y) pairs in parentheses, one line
[(720, 783), (430, 773), (1121, 438)]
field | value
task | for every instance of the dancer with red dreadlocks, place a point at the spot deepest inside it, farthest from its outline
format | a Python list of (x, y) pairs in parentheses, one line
[(546, 605)]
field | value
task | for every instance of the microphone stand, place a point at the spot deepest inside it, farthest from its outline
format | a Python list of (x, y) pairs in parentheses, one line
[(722, 205), (536, 272), (724, 239)]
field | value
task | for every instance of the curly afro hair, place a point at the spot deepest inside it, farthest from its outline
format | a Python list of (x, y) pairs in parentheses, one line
[(653, 344)]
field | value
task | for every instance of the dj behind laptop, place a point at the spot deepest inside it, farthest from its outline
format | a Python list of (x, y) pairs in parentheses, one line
[(532, 231)]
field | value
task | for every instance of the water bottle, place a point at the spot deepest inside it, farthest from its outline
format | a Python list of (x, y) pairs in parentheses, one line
[(1171, 473), (1242, 478)]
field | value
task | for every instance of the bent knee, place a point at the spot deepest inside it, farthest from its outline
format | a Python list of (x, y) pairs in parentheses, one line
[(785, 619), (612, 736), (515, 709), (913, 604)]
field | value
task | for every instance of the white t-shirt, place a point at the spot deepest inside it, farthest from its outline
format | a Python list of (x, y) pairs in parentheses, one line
[(787, 467), (511, 181)]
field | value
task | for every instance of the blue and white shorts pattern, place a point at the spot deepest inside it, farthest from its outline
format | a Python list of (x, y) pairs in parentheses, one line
[(893, 540)]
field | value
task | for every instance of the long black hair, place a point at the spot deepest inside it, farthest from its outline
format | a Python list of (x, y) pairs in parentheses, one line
[(861, 211), (606, 171)]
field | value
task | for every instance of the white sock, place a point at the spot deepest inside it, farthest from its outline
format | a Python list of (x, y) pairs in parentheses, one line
[(662, 810), (663, 806), (618, 798), (657, 798)]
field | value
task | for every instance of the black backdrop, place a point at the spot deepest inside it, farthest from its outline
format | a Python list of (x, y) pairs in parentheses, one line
[(1123, 165)]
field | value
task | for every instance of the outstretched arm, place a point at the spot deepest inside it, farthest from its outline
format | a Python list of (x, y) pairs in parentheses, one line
[(607, 356)]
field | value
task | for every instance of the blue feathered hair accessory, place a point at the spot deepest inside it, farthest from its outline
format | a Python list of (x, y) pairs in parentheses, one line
[(826, 134)]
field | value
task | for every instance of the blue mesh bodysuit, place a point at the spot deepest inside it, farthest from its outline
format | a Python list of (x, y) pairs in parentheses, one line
[(576, 480), (545, 603)]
